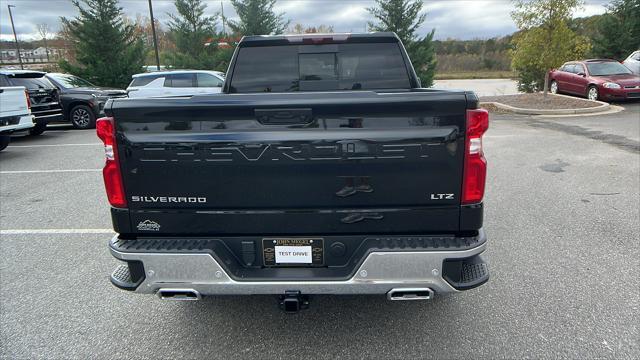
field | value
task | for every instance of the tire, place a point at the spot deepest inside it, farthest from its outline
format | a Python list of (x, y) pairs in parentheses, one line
[(38, 129), (593, 93), (554, 87), (4, 141), (82, 117)]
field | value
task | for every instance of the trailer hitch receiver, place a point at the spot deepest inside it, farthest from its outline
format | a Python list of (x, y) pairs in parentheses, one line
[(293, 301)]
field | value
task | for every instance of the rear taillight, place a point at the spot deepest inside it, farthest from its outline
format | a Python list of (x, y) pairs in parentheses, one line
[(105, 128), (26, 94), (475, 165)]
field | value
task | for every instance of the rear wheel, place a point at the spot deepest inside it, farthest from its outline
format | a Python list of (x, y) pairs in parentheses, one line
[(592, 93), (82, 117), (38, 129), (4, 141), (554, 87)]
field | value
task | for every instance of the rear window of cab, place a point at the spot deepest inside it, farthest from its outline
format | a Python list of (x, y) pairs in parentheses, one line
[(287, 68)]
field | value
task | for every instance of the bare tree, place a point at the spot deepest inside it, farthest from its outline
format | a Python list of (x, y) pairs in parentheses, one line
[(43, 30)]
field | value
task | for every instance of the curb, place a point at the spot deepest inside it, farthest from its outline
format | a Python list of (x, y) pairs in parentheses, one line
[(596, 109), (613, 109)]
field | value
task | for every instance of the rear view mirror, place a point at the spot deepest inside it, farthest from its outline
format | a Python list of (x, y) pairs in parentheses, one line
[(582, 74)]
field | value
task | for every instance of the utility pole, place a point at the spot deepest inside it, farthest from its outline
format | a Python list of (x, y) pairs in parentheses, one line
[(46, 48), (15, 37), (224, 20), (155, 39)]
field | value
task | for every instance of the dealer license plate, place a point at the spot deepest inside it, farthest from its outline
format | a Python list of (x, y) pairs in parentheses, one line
[(293, 251)]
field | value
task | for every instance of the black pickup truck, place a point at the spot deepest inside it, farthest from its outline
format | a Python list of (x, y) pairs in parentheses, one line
[(322, 168), (44, 99)]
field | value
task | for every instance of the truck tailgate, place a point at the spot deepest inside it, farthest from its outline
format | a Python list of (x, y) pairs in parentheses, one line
[(13, 101), (343, 162)]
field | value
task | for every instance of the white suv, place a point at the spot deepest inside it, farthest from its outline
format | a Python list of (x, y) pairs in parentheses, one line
[(633, 62), (175, 83)]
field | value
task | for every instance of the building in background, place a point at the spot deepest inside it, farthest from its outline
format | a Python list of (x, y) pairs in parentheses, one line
[(37, 55)]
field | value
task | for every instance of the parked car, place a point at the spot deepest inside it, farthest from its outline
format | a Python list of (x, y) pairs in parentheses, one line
[(322, 168), (633, 62), (82, 102), (175, 83), (598, 79), (15, 111), (43, 95)]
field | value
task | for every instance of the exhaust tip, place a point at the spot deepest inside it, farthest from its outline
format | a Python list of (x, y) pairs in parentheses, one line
[(179, 294), (410, 294)]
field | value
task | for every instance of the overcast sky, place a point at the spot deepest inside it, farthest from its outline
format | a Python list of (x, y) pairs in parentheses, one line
[(461, 19)]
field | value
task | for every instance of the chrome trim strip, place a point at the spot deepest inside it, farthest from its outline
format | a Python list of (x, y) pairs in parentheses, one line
[(378, 274)]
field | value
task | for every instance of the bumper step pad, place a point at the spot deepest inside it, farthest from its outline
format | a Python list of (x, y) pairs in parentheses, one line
[(473, 272), (465, 274), (122, 278)]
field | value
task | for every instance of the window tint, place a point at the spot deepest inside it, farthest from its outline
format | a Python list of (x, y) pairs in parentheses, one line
[(579, 68), (144, 80), (32, 83), (179, 80), (208, 80), (349, 67), (70, 81), (607, 68), (318, 66), (269, 68), (372, 66), (4, 81)]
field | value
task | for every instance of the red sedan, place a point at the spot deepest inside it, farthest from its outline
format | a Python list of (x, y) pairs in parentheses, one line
[(596, 79)]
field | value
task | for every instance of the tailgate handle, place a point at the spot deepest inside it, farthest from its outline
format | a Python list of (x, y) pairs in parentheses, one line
[(283, 116)]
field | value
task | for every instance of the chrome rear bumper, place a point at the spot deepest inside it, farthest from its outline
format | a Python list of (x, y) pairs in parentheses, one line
[(379, 273)]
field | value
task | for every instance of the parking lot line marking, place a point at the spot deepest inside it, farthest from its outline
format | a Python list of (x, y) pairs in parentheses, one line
[(47, 171), (55, 231), (54, 145)]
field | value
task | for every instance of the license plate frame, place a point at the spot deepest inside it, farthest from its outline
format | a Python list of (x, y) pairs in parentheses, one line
[(315, 245)]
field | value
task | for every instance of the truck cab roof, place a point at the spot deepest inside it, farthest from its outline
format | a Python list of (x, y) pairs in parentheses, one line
[(316, 38), (320, 62)]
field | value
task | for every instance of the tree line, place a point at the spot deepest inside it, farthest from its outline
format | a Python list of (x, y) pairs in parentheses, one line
[(108, 47), (477, 55)]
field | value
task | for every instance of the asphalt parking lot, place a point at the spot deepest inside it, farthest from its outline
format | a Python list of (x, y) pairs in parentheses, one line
[(563, 222)]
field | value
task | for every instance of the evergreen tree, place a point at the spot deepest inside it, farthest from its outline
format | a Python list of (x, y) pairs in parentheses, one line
[(618, 30), (107, 52), (404, 18), (190, 30), (257, 18)]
